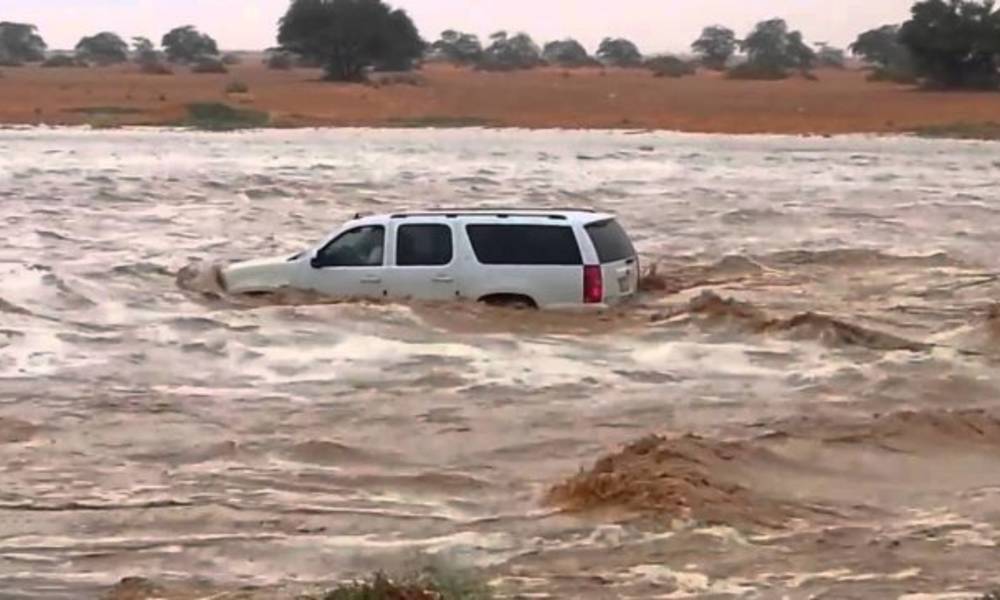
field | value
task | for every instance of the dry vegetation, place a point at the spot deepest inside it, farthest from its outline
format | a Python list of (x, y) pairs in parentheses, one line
[(840, 102)]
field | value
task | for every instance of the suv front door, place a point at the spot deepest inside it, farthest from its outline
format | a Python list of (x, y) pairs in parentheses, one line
[(352, 265), (425, 262)]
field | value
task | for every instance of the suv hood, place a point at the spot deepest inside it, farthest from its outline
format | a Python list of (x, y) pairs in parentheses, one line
[(260, 275)]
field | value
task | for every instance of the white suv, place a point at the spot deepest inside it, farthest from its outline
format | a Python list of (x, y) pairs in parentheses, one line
[(536, 258)]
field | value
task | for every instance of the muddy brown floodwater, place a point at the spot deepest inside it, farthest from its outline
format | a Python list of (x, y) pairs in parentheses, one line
[(802, 405)]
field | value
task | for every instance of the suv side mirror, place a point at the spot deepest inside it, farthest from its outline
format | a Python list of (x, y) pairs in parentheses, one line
[(315, 263)]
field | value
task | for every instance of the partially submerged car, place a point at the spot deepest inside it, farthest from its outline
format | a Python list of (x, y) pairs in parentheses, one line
[(530, 258)]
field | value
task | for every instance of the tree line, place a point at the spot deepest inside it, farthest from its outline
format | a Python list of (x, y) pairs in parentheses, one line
[(945, 44)]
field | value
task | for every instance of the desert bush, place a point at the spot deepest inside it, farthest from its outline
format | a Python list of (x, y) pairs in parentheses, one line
[(830, 57), (209, 65), (431, 584), (62, 61), (280, 61), (155, 67), (754, 71), (237, 87), (670, 66), (906, 77), (396, 78)]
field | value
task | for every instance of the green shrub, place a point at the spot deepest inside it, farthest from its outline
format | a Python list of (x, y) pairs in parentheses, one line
[(213, 116)]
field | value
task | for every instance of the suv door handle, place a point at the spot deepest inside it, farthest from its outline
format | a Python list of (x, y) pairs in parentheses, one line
[(443, 279), (371, 279)]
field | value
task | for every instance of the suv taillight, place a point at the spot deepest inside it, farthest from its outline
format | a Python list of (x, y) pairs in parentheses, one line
[(593, 284)]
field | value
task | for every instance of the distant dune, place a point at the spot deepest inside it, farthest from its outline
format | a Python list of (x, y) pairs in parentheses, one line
[(840, 102)]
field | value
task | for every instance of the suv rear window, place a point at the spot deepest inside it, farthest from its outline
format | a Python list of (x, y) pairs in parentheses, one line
[(610, 241), (524, 245), (423, 246)]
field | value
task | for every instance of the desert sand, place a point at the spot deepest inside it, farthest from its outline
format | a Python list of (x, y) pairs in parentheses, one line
[(840, 102)]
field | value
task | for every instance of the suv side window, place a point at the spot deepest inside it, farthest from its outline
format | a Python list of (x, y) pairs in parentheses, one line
[(424, 245), (359, 247), (524, 244)]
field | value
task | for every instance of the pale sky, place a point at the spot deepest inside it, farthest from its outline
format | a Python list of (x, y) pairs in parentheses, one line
[(655, 25)]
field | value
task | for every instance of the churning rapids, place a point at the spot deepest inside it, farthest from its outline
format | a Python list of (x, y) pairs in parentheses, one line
[(807, 292)]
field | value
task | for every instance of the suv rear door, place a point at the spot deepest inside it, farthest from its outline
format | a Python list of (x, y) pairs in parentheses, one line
[(425, 261), (619, 262)]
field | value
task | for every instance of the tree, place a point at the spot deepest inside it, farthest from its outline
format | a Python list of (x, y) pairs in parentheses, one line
[(186, 44), (20, 43), (772, 49), (105, 48), (508, 53), (619, 52), (350, 36), (829, 56), (458, 47), (800, 55), (881, 48), (567, 53), (716, 46), (144, 50), (954, 43)]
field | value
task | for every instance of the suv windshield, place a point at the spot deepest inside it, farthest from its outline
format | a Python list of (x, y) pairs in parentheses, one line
[(610, 241)]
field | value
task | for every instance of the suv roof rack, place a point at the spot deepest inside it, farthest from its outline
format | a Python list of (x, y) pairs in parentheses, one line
[(549, 213), (505, 209)]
